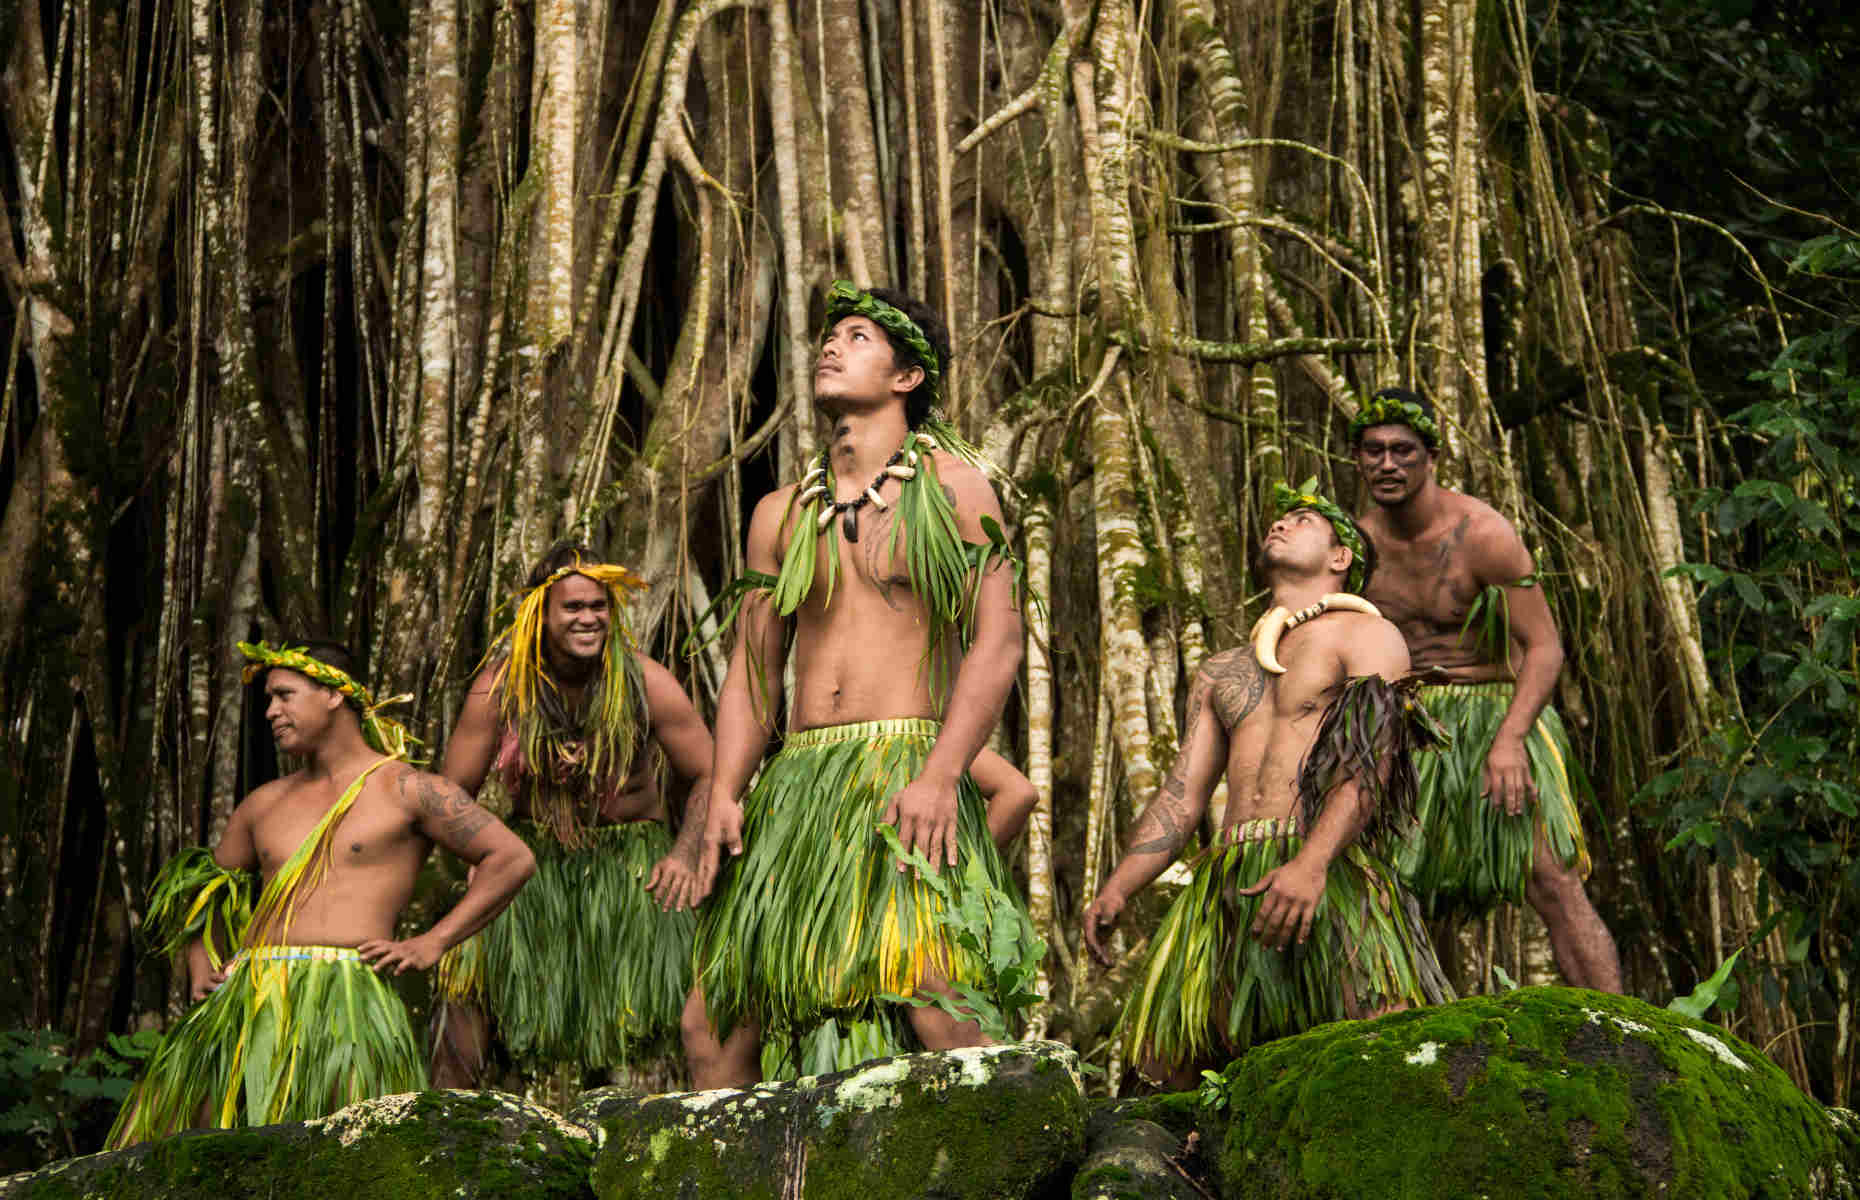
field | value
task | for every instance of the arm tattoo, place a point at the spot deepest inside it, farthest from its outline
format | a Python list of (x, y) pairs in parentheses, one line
[(458, 816), (1167, 811)]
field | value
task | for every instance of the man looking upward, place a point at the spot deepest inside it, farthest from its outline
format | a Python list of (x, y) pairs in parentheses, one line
[(297, 1024), (906, 639), (1498, 815), (1290, 920)]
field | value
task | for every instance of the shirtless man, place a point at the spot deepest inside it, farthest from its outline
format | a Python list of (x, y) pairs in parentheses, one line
[(566, 688), (1246, 954), (1499, 816), (872, 555), (301, 1010)]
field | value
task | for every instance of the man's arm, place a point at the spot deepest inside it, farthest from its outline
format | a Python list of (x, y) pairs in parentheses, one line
[(751, 691), (236, 851), (501, 864), (1502, 559), (1009, 795), (924, 810), (1174, 814), (473, 745), (1370, 646), (686, 740)]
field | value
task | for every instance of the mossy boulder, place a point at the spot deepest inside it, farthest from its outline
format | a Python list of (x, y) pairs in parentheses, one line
[(993, 1122), (483, 1145), (1130, 1158), (1545, 1092)]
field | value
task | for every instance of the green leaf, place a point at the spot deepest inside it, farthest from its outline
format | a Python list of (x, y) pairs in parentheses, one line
[(1705, 994)]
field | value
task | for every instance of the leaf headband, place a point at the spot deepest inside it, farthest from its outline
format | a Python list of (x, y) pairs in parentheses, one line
[(384, 735), (1385, 408), (526, 630), (1285, 499), (845, 300)]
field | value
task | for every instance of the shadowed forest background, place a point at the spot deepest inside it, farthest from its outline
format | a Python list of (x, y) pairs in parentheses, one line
[(328, 318)]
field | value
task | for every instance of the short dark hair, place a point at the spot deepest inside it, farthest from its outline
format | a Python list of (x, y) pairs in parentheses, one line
[(917, 405), (565, 553)]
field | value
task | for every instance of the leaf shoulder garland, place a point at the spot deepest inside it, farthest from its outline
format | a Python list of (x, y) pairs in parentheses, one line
[(946, 572)]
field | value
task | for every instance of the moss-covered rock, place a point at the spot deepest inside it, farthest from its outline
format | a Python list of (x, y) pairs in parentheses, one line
[(1545, 1092), (425, 1144), (1129, 1158), (994, 1123)]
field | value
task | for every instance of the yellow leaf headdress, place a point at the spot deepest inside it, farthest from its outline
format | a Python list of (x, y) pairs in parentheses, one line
[(528, 701), (383, 734)]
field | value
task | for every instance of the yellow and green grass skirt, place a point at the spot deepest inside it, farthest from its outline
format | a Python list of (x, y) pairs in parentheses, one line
[(1466, 855), (815, 920), (294, 1032), (1208, 988), (583, 967)]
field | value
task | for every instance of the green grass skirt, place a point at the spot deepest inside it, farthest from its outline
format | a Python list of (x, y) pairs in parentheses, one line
[(1209, 988), (583, 967), (294, 1032), (815, 920), (1467, 855)]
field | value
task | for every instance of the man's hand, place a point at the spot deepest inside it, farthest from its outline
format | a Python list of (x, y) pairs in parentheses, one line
[(925, 815), (723, 830), (415, 953), (1291, 898), (204, 984), (1508, 783), (676, 883), (1102, 913)]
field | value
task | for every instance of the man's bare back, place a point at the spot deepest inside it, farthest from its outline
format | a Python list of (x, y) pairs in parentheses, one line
[(1426, 583)]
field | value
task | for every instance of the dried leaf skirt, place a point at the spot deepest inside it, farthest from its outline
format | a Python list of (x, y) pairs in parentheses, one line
[(294, 1032), (1466, 855), (815, 919), (583, 967), (1209, 988)]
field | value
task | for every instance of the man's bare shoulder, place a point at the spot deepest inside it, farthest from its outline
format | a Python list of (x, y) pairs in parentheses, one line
[(968, 486), (265, 798), (1235, 684), (1367, 643), (1491, 544), (419, 792)]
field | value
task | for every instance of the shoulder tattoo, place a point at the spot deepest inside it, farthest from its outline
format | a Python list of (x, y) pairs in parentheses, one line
[(1237, 685), (458, 816)]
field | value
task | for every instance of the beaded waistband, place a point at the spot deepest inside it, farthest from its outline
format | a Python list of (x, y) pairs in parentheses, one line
[(1502, 688), (1260, 829), (862, 731), (297, 954)]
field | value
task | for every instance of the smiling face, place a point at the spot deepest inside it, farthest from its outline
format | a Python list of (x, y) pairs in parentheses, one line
[(576, 620), (299, 709), (1301, 544), (1394, 462), (858, 369)]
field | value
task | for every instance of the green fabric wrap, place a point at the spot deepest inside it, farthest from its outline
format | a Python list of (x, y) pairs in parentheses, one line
[(294, 1032), (815, 919), (583, 967), (1467, 855), (1209, 989), (194, 897)]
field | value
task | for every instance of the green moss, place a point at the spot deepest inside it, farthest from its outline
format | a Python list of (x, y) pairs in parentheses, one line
[(994, 1124), (1580, 1093), (442, 1144)]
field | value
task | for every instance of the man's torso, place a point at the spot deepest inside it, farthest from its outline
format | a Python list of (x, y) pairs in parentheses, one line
[(375, 855), (861, 658), (1426, 586), (1271, 720)]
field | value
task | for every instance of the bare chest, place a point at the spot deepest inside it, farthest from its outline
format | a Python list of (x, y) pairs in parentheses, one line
[(372, 831), (1425, 587)]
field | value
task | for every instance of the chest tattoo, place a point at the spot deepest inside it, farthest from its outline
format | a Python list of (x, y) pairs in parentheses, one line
[(1239, 684)]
